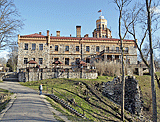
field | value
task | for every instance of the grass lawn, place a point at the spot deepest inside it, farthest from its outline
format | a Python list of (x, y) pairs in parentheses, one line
[(98, 108), (145, 84), (5, 98)]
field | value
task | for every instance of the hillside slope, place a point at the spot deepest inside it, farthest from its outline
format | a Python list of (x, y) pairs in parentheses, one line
[(86, 94)]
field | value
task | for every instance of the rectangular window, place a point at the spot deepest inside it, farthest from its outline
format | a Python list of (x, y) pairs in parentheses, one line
[(87, 60), (87, 48), (67, 48), (126, 49), (26, 46), (77, 60), (97, 48), (33, 46), (40, 46), (56, 47), (107, 48), (40, 60), (66, 61), (117, 49), (56, 59), (77, 48), (103, 27), (25, 60)]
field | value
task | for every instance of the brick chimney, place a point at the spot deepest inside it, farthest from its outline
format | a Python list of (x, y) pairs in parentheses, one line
[(40, 33), (78, 31), (58, 33), (47, 32)]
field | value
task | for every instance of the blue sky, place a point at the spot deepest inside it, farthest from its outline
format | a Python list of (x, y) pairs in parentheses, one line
[(64, 15)]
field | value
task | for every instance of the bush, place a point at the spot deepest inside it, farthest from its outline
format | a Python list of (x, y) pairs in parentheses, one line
[(108, 68)]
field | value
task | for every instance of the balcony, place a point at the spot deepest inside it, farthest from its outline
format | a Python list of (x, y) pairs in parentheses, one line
[(113, 51)]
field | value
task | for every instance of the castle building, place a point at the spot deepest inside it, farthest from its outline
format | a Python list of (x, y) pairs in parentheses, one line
[(47, 49)]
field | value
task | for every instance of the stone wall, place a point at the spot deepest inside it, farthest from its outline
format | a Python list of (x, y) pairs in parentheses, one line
[(34, 76), (133, 96)]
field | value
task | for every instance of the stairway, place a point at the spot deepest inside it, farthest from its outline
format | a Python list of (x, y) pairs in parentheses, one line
[(12, 76)]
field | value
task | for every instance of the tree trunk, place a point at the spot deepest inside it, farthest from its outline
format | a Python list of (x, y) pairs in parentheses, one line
[(154, 104)]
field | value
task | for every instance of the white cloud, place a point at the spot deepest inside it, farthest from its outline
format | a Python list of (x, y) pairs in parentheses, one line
[(3, 54)]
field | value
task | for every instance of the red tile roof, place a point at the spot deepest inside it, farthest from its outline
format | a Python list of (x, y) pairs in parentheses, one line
[(36, 35)]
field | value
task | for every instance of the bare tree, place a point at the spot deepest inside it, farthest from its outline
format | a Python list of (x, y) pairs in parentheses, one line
[(12, 61), (121, 4), (144, 16), (10, 23)]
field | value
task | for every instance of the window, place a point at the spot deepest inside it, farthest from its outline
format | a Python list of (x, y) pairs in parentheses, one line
[(25, 60), (77, 48), (117, 49), (56, 47), (40, 60), (77, 60), (126, 49), (33, 46), (56, 59), (103, 27), (33, 59), (67, 48), (97, 48), (66, 61), (26, 46), (40, 46), (87, 60), (107, 48), (87, 48)]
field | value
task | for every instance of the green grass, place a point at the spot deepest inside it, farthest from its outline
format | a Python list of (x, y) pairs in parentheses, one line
[(1, 81), (98, 109), (5, 100), (145, 84)]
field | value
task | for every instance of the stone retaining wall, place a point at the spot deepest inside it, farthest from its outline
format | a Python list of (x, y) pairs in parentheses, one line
[(34, 76), (133, 96)]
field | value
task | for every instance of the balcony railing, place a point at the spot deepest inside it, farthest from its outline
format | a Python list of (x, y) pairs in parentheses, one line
[(113, 51)]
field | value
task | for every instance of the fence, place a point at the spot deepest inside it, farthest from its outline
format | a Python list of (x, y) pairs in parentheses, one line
[(63, 102)]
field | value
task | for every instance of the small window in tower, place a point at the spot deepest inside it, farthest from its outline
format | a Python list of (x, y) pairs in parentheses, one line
[(103, 27)]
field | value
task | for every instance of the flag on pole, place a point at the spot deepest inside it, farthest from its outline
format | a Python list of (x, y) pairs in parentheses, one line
[(100, 11)]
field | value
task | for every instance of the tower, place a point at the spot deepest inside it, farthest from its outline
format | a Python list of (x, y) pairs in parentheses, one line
[(101, 30)]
